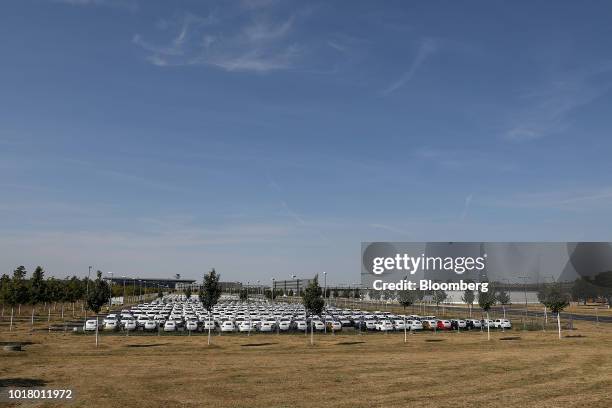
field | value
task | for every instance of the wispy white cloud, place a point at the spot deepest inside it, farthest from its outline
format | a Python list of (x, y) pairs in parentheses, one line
[(257, 44), (297, 217), (466, 206), (426, 48), (547, 110), (571, 200), (337, 46)]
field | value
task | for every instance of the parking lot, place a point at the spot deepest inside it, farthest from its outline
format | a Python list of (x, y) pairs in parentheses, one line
[(174, 314)]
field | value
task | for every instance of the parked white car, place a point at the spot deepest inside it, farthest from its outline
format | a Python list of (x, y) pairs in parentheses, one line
[(150, 325), (90, 325), (228, 327), (266, 327), (191, 325), (246, 326), (414, 325), (318, 325), (336, 326), (129, 324), (487, 323), (384, 325), (284, 325), (473, 323), (370, 324), (170, 326), (502, 324), (110, 325)]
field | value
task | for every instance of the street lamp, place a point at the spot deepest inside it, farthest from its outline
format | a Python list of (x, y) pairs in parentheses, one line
[(87, 296), (524, 278), (123, 289), (110, 294), (325, 286)]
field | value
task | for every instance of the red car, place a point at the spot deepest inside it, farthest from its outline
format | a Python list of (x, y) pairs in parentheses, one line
[(443, 325)]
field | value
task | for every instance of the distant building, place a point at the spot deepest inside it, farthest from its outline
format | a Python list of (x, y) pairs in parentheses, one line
[(149, 282)]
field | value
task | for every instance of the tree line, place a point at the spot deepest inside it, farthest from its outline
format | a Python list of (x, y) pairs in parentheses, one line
[(19, 289)]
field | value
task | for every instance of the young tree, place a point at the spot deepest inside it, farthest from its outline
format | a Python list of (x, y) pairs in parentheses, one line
[(485, 301), (160, 294), (406, 298), (210, 294), (556, 299), (99, 292), (18, 289), (38, 287), (583, 289), (268, 294), (74, 291), (313, 302), (187, 292), (244, 295), (503, 297), (468, 297), (438, 296)]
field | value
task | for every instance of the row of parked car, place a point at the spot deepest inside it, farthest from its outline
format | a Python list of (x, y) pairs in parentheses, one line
[(176, 313)]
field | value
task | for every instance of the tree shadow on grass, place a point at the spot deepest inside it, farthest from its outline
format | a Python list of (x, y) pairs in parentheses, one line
[(19, 343), (22, 382), (147, 345), (257, 344)]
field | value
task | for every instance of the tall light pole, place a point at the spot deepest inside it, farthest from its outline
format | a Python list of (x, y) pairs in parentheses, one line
[(110, 294), (87, 296), (525, 290), (123, 289), (509, 292), (325, 286)]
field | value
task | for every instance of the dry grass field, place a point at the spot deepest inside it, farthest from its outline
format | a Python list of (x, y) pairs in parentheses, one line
[(373, 370)]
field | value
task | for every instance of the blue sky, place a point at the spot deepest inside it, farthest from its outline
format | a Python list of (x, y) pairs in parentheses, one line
[(269, 138)]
